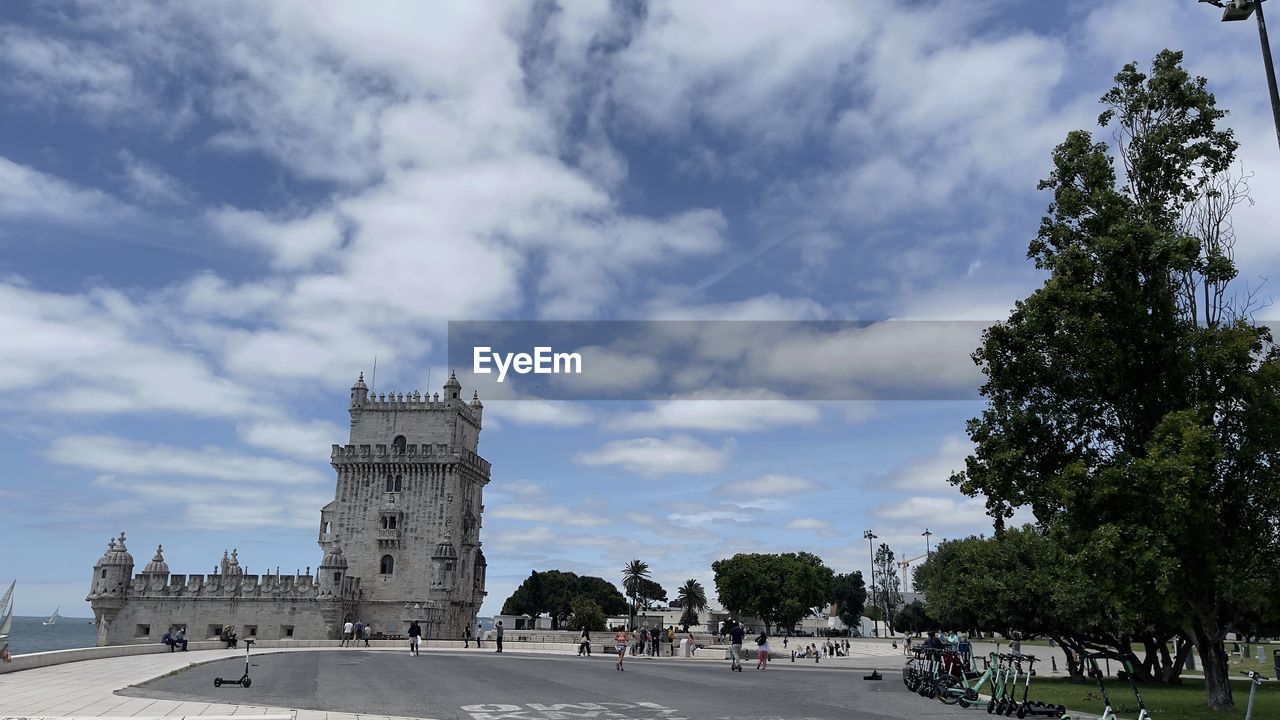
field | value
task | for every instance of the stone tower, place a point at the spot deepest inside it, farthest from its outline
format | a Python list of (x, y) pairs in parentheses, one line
[(407, 508)]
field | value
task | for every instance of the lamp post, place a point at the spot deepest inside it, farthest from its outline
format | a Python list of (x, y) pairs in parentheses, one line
[(1234, 10), (872, 551), (926, 535)]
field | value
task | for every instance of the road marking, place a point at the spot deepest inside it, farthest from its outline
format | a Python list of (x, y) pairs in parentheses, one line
[(573, 711)]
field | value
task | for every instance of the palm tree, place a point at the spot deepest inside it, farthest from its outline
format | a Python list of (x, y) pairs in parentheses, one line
[(633, 574), (693, 598)]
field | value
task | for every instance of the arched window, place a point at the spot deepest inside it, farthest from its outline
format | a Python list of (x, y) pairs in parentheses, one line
[(384, 522), (398, 444), (390, 484), (391, 522), (399, 484), (388, 565)]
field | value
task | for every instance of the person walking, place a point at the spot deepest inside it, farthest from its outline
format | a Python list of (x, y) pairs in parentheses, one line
[(584, 644), (735, 647), (762, 651), (368, 634), (359, 633), (348, 631), (415, 634), (671, 641), (620, 645), (497, 636), (479, 634), (466, 636)]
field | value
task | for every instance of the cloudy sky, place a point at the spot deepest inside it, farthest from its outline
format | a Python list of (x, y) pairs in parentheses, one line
[(214, 215)]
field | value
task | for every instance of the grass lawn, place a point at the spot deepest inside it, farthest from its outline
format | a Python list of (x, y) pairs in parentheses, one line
[(1180, 702)]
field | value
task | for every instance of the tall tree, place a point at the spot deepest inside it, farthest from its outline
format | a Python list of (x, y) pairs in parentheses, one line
[(586, 614), (633, 576), (850, 595), (553, 592), (692, 597), (888, 585), (1131, 405), (776, 588), (649, 593)]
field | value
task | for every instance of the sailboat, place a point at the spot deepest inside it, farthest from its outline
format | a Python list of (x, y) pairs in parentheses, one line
[(6, 611), (54, 617)]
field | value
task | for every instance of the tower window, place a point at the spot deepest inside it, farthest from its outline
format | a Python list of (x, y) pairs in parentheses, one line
[(388, 565), (398, 444), (390, 484), (337, 577), (398, 485)]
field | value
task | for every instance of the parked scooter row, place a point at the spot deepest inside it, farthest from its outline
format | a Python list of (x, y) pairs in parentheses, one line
[(940, 673)]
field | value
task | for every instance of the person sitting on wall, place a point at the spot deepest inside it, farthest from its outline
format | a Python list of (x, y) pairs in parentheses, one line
[(228, 636), (180, 639), (168, 640)]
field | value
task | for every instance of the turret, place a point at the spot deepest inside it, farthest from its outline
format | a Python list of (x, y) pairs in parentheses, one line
[(452, 388), (359, 392), (333, 568), (156, 572), (112, 572)]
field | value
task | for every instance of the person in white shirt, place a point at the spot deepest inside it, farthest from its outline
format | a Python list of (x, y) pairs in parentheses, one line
[(348, 632)]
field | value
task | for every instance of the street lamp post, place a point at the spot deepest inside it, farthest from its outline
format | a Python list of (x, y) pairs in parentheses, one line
[(1234, 10), (872, 551), (926, 535)]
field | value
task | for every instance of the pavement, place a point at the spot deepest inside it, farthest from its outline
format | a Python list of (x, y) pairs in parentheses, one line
[(350, 684)]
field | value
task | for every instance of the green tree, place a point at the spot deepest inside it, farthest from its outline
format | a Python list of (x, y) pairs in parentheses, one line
[(967, 584), (604, 593), (1131, 405), (633, 576), (587, 614), (777, 589), (912, 618), (888, 585), (693, 598), (649, 593), (850, 595), (553, 592)]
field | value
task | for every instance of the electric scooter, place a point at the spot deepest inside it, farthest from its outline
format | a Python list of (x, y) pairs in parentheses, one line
[(1109, 713), (1027, 707), (245, 680), (1255, 679)]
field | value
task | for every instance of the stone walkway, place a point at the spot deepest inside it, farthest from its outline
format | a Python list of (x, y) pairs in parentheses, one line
[(88, 688)]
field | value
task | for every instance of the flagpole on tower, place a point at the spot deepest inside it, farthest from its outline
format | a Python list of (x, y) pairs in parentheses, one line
[(373, 381)]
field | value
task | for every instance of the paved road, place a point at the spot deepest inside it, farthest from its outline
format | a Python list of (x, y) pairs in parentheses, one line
[(542, 687)]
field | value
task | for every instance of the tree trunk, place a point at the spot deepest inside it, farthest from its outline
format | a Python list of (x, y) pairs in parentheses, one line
[(1213, 656)]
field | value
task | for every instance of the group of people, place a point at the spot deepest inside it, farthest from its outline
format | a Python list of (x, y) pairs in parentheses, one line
[(832, 648), (176, 640), (355, 632), (641, 641)]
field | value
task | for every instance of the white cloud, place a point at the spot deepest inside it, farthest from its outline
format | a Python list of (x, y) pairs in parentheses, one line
[(292, 244), (654, 456), (121, 456), (719, 411), (147, 183), (51, 71), (307, 440), (213, 506), (767, 307), (545, 413), (772, 485), (28, 194), (812, 526), (948, 512), (103, 354), (933, 471), (573, 517)]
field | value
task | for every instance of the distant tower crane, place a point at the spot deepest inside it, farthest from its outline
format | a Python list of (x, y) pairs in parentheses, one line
[(904, 564)]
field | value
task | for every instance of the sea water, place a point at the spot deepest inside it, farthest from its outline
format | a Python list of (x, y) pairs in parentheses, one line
[(30, 634)]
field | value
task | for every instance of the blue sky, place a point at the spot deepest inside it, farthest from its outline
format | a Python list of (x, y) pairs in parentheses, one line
[(213, 216)]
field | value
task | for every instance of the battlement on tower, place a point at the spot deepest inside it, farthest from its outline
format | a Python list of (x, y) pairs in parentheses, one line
[(415, 454)]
